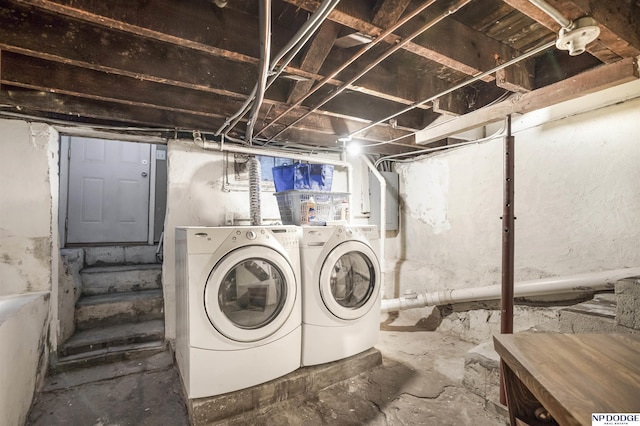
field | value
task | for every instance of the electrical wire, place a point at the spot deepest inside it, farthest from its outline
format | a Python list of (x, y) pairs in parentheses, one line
[(375, 63), (496, 135), (475, 78), (295, 44), (350, 61)]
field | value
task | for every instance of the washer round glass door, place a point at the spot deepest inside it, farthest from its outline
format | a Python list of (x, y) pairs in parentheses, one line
[(350, 280), (250, 293)]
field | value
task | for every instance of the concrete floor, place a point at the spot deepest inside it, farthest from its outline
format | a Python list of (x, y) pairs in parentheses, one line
[(419, 383)]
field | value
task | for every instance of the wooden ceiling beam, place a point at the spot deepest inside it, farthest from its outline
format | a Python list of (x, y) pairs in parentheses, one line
[(313, 58), (619, 22), (297, 136), (194, 26), (98, 113), (24, 71), (460, 51), (96, 48), (388, 12), (127, 114), (591, 81), (320, 123)]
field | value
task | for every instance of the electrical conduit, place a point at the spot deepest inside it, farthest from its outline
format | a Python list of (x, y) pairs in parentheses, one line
[(394, 48), (351, 60), (383, 217), (265, 53), (290, 49)]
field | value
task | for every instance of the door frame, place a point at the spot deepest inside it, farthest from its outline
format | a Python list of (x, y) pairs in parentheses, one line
[(63, 190)]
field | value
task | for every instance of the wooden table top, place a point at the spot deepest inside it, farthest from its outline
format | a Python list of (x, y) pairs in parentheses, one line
[(575, 375)]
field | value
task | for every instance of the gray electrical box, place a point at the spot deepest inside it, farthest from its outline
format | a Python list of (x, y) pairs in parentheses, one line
[(393, 185)]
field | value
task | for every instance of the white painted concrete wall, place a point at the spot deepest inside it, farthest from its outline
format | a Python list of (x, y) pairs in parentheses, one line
[(23, 347), (577, 202), (28, 195), (195, 197), (29, 253)]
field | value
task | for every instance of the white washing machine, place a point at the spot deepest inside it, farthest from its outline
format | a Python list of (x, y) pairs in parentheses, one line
[(238, 306), (340, 292)]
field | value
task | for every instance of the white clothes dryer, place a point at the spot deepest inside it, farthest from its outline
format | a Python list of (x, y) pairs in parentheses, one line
[(340, 292), (238, 306)]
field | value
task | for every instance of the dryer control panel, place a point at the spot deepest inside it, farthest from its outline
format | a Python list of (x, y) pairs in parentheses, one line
[(287, 236)]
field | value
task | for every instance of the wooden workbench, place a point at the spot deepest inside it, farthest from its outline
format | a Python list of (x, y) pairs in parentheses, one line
[(570, 375)]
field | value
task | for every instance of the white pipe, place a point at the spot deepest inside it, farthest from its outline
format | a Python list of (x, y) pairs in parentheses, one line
[(452, 89), (383, 215), (350, 191), (297, 42), (551, 11), (591, 281), (241, 149), (265, 54)]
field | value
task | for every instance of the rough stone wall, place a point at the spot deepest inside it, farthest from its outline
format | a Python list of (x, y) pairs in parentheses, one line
[(628, 306)]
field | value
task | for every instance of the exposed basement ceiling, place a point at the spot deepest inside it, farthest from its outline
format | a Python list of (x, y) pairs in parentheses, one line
[(179, 66)]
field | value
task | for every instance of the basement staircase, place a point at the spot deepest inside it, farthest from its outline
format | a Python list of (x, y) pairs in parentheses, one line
[(120, 313)]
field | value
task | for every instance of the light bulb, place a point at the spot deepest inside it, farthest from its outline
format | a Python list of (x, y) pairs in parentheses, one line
[(354, 148)]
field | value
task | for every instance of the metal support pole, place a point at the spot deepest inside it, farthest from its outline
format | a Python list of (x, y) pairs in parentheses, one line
[(508, 237)]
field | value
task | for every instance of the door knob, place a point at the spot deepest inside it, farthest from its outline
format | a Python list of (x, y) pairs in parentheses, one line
[(144, 174)]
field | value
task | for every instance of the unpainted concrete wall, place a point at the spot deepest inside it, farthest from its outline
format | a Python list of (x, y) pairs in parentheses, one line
[(577, 197)]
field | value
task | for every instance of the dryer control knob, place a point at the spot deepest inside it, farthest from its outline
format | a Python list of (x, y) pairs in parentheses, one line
[(349, 232), (251, 235)]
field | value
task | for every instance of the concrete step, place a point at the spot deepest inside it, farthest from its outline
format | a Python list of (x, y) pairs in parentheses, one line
[(119, 279), (240, 407), (77, 377), (117, 308), (108, 355), (116, 335), (120, 255), (597, 315)]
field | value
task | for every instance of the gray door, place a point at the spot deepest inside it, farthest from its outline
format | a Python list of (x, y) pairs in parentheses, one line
[(108, 197)]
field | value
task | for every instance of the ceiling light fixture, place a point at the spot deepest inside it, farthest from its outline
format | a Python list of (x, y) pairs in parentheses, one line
[(354, 148), (576, 37), (353, 39), (573, 36)]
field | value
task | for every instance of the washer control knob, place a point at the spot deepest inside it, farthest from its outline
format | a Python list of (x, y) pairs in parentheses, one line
[(251, 235), (349, 232)]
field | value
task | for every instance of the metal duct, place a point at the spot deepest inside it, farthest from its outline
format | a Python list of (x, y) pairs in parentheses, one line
[(254, 190)]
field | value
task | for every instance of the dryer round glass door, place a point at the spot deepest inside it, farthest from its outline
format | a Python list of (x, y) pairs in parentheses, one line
[(350, 280), (250, 293)]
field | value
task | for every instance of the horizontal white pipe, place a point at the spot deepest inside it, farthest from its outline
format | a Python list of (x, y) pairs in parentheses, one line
[(591, 281), (240, 149)]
